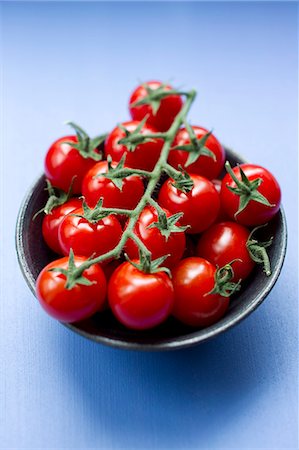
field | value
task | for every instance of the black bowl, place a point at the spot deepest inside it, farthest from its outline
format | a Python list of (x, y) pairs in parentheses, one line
[(33, 255)]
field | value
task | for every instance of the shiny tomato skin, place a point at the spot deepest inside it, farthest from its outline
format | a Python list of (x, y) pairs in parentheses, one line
[(193, 279), (255, 213), (169, 107), (140, 300), (75, 304), (156, 243), (145, 155), (63, 162), (200, 206), (204, 165), (94, 187), (222, 243), (86, 238), (52, 221)]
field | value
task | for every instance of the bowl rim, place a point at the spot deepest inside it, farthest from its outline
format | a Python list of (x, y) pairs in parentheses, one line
[(188, 340)]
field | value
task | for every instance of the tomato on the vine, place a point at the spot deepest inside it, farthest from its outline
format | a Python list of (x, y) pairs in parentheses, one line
[(52, 221), (200, 206), (64, 163), (144, 156), (161, 113), (194, 304), (71, 305), (86, 238), (224, 242), (95, 186), (140, 300), (159, 242), (208, 165), (256, 194)]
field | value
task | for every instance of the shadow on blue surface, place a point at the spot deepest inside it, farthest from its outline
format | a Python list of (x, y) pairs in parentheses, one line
[(169, 398)]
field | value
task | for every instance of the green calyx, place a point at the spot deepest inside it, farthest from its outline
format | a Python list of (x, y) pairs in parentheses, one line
[(223, 284), (147, 265), (57, 197), (257, 250), (197, 147), (182, 180), (85, 145), (246, 189), (72, 274), (154, 96), (94, 215), (119, 172), (168, 225), (134, 138)]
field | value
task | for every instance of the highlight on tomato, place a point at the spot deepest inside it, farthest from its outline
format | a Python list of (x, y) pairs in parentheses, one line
[(250, 194), (198, 151), (152, 100), (140, 297), (77, 301), (200, 206), (201, 291), (124, 193), (161, 233)]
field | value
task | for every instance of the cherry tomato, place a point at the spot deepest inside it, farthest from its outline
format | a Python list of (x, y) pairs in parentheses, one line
[(204, 165), (255, 213), (95, 187), (145, 154), (74, 304), (200, 206), (140, 300), (63, 162), (154, 240), (224, 242), (87, 238), (193, 279), (168, 109), (52, 221)]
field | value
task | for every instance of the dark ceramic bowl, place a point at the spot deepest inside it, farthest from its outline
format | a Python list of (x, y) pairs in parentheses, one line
[(33, 255)]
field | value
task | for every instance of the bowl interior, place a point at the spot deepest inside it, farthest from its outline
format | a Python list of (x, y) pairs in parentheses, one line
[(33, 255)]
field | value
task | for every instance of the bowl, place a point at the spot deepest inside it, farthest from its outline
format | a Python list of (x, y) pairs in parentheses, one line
[(34, 255)]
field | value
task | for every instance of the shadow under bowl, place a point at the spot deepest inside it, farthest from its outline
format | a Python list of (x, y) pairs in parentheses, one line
[(34, 255)]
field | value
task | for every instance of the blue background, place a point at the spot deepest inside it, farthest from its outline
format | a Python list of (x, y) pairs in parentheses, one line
[(79, 61)]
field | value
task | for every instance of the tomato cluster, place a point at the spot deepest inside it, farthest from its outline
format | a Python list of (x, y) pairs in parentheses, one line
[(144, 246)]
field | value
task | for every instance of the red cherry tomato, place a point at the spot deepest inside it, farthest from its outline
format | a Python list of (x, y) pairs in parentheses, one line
[(63, 162), (140, 300), (95, 187), (87, 238), (224, 242), (204, 165), (168, 109), (255, 213), (200, 206), (144, 156), (156, 243), (74, 304), (193, 279), (52, 221)]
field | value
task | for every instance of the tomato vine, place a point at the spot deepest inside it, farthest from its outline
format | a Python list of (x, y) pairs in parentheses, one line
[(181, 180)]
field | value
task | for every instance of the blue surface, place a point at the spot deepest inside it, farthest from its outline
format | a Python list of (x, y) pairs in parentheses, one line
[(80, 61)]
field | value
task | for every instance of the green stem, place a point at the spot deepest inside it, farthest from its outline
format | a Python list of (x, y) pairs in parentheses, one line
[(236, 180), (160, 167)]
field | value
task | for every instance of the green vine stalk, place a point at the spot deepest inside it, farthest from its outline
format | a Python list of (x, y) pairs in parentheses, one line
[(181, 179)]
